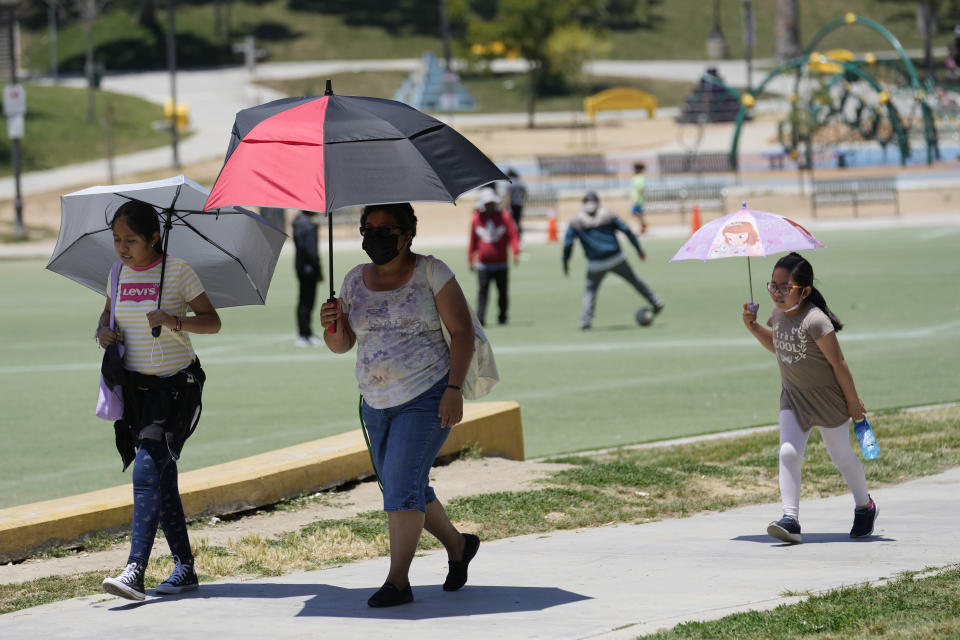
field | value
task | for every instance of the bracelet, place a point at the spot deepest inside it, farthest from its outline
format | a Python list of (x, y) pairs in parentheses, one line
[(179, 323), (453, 386)]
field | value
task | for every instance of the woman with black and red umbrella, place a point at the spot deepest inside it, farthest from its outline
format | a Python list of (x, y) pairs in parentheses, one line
[(410, 381)]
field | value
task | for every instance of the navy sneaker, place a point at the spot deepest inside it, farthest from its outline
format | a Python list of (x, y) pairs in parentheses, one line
[(863, 519), (786, 528), (129, 584), (183, 578)]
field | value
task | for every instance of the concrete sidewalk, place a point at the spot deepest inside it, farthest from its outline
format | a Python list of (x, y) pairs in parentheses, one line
[(611, 582)]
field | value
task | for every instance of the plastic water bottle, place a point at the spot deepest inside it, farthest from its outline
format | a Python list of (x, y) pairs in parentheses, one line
[(868, 441)]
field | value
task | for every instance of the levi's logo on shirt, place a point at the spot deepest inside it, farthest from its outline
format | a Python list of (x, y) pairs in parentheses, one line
[(138, 291)]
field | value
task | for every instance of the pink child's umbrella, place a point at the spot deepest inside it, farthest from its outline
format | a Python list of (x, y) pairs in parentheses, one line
[(746, 233)]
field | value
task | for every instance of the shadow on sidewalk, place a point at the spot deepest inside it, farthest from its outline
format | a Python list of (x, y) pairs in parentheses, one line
[(430, 600), (813, 538)]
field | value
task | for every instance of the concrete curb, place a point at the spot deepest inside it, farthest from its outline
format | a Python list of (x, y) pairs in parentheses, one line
[(245, 483)]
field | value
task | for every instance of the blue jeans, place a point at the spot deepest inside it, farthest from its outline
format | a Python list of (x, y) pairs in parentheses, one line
[(156, 501), (404, 442)]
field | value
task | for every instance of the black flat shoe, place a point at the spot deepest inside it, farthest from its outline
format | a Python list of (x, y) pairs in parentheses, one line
[(389, 596), (457, 575)]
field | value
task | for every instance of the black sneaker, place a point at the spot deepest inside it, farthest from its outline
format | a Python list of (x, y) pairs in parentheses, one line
[(182, 579), (786, 528), (863, 519), (129, 584), (457, 575), (389, 596)]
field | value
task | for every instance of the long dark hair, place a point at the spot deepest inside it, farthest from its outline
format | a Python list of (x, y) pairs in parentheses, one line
[(402, 212), (142, 219), (802, 273)]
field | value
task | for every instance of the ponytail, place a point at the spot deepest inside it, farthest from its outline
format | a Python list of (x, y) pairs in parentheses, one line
[(816, 299), (802, 273)]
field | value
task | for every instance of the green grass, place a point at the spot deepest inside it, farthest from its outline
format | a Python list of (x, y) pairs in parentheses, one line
[(695, 370), (906, 607), (668, 30), (622, 486), (57, 132)]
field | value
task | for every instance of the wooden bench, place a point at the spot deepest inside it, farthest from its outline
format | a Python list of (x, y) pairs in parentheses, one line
[(576, 166), (855, 191), (699, 163), (680, 197)]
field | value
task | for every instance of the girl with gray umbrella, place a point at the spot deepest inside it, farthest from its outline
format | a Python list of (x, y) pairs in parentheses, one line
[(162, 386)]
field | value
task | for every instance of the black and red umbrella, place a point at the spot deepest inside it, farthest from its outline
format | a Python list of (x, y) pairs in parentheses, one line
[(329, 152)]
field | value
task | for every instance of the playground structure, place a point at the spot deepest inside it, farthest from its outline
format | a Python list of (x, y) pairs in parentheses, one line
[(839, 98), (434, 88), (619, 98)]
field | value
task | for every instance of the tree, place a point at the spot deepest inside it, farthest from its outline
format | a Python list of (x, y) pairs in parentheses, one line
[(787, 29), (547, 34)]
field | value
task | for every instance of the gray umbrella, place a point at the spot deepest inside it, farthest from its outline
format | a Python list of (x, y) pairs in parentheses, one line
[(232, 250)]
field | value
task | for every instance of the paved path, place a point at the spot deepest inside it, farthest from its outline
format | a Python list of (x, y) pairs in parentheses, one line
[(611, 582)]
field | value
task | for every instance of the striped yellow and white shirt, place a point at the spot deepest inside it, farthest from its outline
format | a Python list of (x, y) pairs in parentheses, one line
[(137, 297)]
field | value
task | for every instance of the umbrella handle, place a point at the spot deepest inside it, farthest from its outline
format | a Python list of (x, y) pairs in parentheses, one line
[(333, 327)]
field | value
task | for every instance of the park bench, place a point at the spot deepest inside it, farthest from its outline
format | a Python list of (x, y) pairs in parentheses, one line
[(855, 191), (698, 163), (682, 198), (577, 166)]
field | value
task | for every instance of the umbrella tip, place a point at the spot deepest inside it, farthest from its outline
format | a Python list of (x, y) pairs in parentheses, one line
[(329, 90)]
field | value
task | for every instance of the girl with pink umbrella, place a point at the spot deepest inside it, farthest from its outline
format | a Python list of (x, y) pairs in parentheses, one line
[(817, 391)]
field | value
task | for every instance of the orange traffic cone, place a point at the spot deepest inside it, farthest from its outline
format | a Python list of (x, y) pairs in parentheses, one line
[(552, 227), (694, 219)]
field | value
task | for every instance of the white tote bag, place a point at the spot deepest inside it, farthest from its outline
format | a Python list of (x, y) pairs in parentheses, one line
[(482, 375)]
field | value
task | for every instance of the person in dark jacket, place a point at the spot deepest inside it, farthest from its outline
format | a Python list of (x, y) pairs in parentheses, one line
[(162, 382), (596, 227), (309, 274)]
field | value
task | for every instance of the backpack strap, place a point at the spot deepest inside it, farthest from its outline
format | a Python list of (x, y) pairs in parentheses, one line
[(114, 285)]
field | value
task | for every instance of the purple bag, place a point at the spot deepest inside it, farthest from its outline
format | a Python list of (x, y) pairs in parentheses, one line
[(110, 401)]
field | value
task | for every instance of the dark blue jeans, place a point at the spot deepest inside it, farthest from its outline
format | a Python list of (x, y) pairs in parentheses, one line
[(156, 501)]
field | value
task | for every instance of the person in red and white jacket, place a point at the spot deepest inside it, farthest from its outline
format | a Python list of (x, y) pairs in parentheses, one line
[(492, 231)]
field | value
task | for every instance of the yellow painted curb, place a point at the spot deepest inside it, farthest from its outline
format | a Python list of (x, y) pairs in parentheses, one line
[(495, 427)]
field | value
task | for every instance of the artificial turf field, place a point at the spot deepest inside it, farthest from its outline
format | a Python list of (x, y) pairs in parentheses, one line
[(695, 370)]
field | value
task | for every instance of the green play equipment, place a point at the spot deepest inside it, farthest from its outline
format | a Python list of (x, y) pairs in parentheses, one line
[(834, 93)]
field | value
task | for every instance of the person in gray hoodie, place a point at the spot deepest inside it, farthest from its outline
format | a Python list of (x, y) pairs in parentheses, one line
[(596, 227)]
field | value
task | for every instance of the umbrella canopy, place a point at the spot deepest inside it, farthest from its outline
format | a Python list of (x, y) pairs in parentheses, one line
[(330, 152), (746, 233), (232, 250)]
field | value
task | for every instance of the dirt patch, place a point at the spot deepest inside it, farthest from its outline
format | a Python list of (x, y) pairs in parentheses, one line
[(457, 479)]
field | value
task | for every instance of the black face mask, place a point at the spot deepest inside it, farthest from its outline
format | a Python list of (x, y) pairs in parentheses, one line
[(381, 249)]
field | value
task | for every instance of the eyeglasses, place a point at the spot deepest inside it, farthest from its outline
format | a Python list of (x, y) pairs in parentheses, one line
[(380, 232), (782, 289)]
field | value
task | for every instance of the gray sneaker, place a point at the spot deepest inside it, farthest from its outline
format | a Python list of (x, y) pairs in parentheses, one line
[(129, 584), (786, 528), (183, 578)]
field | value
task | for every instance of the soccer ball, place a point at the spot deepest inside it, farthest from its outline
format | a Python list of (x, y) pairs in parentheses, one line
[(644, 316)]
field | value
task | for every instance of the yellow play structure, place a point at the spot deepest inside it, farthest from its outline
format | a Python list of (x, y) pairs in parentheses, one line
[(618, 98)]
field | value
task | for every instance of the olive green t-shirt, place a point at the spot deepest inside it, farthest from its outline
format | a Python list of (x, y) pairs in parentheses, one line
[(809, 386)]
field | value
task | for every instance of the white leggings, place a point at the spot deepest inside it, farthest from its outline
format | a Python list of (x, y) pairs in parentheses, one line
[(793, 440)]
